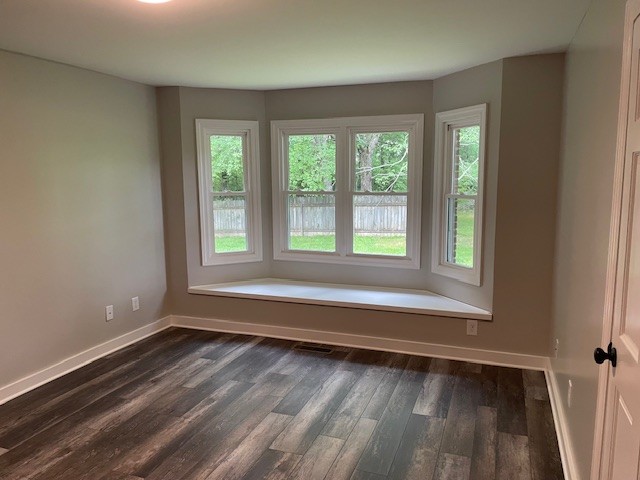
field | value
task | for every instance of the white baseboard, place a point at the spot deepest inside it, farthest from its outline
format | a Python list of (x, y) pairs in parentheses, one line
[(74, 362), (488, 357), (567, 455)]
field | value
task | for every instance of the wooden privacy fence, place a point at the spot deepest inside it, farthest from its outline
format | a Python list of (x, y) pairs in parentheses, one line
[(383, 215)]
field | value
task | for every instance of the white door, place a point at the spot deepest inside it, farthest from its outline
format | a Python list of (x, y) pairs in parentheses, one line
[(620, 450)]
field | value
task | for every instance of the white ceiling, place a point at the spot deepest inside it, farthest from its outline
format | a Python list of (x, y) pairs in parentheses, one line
[(267, 44)]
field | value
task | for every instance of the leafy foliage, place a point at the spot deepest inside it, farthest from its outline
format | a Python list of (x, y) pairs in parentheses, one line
[(227, 168), (312, 163), (381, 162), (467, 145)]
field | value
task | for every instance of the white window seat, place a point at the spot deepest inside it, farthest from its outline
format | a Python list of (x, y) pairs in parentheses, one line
[(349, 296)]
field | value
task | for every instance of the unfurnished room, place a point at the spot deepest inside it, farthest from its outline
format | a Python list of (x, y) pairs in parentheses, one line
[(339, 240)]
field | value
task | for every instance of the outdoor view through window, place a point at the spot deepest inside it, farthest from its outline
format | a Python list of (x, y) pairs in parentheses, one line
[(311, 192), (378, 195), (463, 195), (229, 193)]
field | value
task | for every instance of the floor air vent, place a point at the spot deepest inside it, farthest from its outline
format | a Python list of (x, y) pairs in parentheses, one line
[(310, 347)]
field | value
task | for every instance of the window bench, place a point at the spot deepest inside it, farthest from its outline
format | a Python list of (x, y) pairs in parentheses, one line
[(349, 296)]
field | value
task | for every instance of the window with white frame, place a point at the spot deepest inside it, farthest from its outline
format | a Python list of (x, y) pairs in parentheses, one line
[(228, 177), (348, 190), (459, 193)]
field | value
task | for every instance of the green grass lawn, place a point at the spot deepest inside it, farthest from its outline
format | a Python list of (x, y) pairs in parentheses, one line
[(394, 245), (464, 248)]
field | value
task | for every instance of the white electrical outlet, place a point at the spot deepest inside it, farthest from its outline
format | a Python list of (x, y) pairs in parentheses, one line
[(570, 394), (108, 313), (472, 327), (556, 347), (135, 304)]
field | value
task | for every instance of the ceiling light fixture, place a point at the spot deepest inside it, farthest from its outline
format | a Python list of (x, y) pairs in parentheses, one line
[(154, 1)]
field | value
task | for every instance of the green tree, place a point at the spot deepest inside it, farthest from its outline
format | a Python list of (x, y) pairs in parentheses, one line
[(227, 169), (467, 144), (312, 162), (382, 161)]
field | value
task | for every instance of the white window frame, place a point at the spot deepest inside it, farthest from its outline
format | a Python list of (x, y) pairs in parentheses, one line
[(345, 129), (445, 123), (205, 128)]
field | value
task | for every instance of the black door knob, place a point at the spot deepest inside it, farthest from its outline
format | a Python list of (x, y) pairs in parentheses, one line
[(611, 354)]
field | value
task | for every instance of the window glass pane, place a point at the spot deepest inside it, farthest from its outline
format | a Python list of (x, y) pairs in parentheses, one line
[(312, 163), (380, 224), (312, 223), (466, 148), (381, 161), (460, 226), (227, 168), (230, 224)]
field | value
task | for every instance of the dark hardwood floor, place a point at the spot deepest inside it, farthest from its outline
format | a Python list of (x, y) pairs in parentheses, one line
[(200, 405)]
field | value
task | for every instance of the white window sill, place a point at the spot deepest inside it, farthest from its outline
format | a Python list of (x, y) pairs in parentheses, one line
[(349, 296)]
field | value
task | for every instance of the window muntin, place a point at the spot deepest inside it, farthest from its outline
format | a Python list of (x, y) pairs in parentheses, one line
[(229, 192), (459, 172), (361, 202)]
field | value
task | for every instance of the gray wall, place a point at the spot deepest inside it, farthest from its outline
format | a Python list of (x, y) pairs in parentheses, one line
[(80, 211), (477, 85), (530, 127), (537, 118), (585, 187)]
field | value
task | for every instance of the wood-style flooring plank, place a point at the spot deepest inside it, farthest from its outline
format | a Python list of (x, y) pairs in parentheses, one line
[(315, 464), (417, 454), (535, 385), (352, 407), (489, 378), (385, 389), (483, 461), (30, 401), (543, 443), (379, 453), (251, 410), (461, 418), (437, 389), (200, 447), (64, 405), (193, 405), (42, 451), (240, 460), (202, 453), (221, 357), (512, 416), (452, 467), (361, 475), (321, 368), (512, 462), (273, 465), (150, 452), (311, 419), (347, 459)]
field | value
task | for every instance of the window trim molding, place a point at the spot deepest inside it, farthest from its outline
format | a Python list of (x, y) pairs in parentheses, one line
[(251, 165), (344, 128), (473, 115)]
